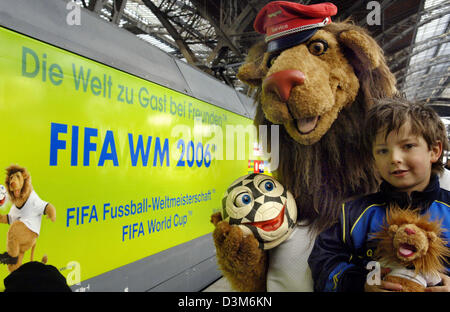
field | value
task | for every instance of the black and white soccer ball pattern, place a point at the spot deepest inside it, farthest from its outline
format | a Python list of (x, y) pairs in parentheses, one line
[(260, 205)]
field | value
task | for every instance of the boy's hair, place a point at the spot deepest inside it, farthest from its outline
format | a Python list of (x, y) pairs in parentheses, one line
[(391, 113)]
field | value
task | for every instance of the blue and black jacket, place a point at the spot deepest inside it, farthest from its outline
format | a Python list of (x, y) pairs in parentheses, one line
[(340, 254)]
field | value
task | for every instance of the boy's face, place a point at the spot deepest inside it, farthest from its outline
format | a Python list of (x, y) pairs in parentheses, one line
[(404, 159)]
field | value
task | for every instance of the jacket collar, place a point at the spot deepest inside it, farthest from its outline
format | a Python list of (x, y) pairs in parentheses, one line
[(417, 199)]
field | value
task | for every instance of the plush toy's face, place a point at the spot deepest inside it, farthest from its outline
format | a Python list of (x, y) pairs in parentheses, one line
[(410, 241), (262, 206), (2, 195)]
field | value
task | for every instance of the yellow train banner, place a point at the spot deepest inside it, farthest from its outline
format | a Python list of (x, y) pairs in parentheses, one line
[(132, 168)]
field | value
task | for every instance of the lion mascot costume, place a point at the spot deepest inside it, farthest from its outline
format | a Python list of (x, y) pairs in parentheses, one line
[(24, 217), (316, 79)]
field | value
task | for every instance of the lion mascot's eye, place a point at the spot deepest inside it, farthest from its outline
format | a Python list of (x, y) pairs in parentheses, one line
[(266, 185), (242, 199), (318, 47)]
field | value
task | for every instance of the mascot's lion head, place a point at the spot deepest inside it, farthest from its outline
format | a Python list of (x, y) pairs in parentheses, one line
[(304, 88), (18, 184), (318, 91), (412, 239)]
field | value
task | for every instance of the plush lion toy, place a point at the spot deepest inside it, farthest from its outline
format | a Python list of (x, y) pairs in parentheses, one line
[(316, 79), (24, 217), (412, 246)]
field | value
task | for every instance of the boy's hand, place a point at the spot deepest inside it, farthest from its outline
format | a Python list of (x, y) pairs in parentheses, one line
[(444, 288), (384, 286)]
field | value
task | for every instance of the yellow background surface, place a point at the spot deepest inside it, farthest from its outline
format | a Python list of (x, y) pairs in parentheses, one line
[(32, 98)]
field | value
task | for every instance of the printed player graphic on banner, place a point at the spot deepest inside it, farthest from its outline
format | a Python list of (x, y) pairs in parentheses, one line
[(24, 217)]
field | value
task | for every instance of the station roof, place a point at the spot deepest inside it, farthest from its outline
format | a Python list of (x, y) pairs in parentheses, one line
[(215, 35)]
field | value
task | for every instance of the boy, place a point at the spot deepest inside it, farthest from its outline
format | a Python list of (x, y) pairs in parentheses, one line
[(406, 141)]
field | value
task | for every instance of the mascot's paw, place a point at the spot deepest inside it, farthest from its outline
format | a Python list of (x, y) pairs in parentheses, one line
[(5, 258), (52, 218), (237, 247), (242, 262), (50, 211)]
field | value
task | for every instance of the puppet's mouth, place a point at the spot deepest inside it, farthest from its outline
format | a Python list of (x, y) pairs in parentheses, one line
[(406, 250), (2, 201), (307, 125), (272, 224)]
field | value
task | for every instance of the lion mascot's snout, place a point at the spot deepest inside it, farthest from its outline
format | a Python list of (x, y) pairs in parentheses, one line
[(283, 82)]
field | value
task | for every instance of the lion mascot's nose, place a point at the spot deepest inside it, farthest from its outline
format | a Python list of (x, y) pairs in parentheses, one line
[(283, 81)]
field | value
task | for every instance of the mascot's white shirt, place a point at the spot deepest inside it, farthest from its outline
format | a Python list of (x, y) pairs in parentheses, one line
[(288, 263), (423, 279), (30, 213)]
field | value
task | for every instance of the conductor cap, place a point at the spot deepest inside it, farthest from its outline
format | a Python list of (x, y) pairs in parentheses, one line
[(286, 24)]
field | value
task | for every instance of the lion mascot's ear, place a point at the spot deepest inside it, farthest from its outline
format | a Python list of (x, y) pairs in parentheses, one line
[(365, 49), (367, 59), (393, 229), (432, 236), (252, 71)]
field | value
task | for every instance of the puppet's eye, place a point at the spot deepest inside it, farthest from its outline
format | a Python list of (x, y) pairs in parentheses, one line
[(266, 185), (242, 199), (272, 59), (317, 47)]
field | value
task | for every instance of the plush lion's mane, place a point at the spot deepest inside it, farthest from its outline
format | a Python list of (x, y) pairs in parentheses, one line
[(437, 253), (321, 176), (27, 187)]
